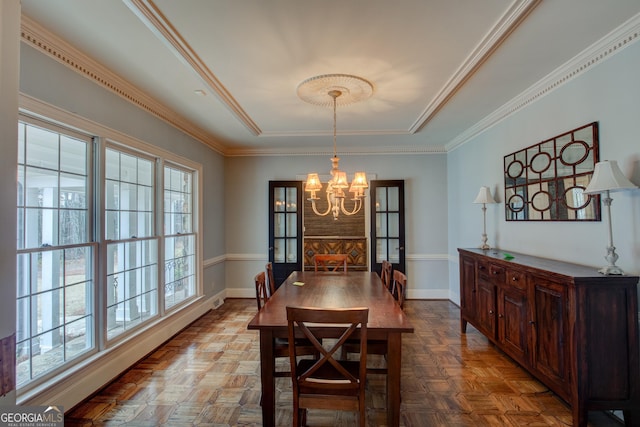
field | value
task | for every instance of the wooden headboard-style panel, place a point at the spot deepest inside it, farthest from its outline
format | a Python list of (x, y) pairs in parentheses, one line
[(354, 247)]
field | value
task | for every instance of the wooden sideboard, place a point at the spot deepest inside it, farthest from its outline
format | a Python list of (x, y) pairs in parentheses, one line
[(354, 247), (571, 327)]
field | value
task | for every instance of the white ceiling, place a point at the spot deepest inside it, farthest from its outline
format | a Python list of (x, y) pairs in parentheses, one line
[(439, 68)]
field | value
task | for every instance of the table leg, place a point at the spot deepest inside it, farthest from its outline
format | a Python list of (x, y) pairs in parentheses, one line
[(267, 367), (394, 365)]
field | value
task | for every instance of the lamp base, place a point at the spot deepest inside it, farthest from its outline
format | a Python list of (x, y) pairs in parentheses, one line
[(611, 270), (484, 244)]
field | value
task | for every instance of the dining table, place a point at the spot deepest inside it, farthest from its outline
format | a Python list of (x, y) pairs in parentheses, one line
[(387, 321)]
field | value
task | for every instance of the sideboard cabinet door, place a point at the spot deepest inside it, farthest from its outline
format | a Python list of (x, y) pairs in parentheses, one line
[(549, 333), (467, 291)]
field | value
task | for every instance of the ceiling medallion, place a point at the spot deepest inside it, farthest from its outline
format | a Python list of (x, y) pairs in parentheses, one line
[(315, 90)]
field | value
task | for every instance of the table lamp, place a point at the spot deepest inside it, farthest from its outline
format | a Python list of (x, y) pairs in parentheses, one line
[(484, 197), (608, 177)]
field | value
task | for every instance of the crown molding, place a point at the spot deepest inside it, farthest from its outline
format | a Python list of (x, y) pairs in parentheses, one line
[(518, 11), (154, 19), (614, 42), (349, 151), (36, 36)]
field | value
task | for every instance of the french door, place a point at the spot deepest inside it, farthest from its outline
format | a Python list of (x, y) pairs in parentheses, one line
[(387, 224), (285, 228)]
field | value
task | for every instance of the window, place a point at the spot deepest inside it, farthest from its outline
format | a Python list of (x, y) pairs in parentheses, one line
[(132, 248), (55, 257), (180, 240), (80, 237)]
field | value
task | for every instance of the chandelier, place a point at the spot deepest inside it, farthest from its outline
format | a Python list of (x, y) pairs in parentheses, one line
[(334, 89)]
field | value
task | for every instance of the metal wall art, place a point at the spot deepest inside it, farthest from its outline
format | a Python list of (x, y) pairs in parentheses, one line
[(546, 181)]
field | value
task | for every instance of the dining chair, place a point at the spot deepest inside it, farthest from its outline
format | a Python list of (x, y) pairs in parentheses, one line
[(380, 347), (330, 262), (270, 280), (399, 287), (280, 345), (262, 296), (385, 274), (328, 382)]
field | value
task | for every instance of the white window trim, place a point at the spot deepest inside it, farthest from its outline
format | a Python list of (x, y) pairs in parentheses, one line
[(80, 380)]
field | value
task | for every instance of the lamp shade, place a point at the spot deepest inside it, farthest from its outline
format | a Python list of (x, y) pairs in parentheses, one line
[(313, 183), (608, 176), (484, 196)]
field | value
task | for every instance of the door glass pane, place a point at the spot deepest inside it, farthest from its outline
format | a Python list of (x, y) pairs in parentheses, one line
[(381, 225), (394, 224), (394, 251), (279, 224), (292, 224), (394, 199), (381, 199), (278, 250), (291, 250), (381, 250), (279, 199), (292, 193)]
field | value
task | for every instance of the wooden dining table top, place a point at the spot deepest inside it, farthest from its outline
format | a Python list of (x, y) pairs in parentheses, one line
[(334, 290)]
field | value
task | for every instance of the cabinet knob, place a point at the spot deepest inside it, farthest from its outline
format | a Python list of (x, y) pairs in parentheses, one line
[(532, 323), (501, 315), (514, 278), (490, 311), (494, 272)]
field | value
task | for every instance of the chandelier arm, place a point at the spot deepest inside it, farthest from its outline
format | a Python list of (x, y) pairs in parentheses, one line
[(315, 208), (357, 205)]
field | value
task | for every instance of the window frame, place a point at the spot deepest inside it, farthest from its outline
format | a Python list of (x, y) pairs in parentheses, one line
[(55, 117)]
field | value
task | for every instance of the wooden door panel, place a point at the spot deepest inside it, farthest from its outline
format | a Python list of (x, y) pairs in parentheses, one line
[(550, 345), (486, 308), (512, 319)]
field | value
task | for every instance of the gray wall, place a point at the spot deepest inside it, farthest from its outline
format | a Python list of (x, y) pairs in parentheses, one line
[(426, 196), (608, 93)]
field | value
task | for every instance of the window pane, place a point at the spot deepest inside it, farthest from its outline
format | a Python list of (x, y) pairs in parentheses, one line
[(78, 337), (128, 168), (73, 227), (145, 172), (42, 148), (41, 188), (73, 155), (73, 192), (112, 165)]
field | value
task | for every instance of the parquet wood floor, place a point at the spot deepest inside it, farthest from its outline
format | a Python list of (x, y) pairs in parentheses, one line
[(209, 375)]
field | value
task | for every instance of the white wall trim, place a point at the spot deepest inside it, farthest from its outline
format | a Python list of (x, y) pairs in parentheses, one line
[(214, 261), (87, 377), (247, 257), (427, 257)]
